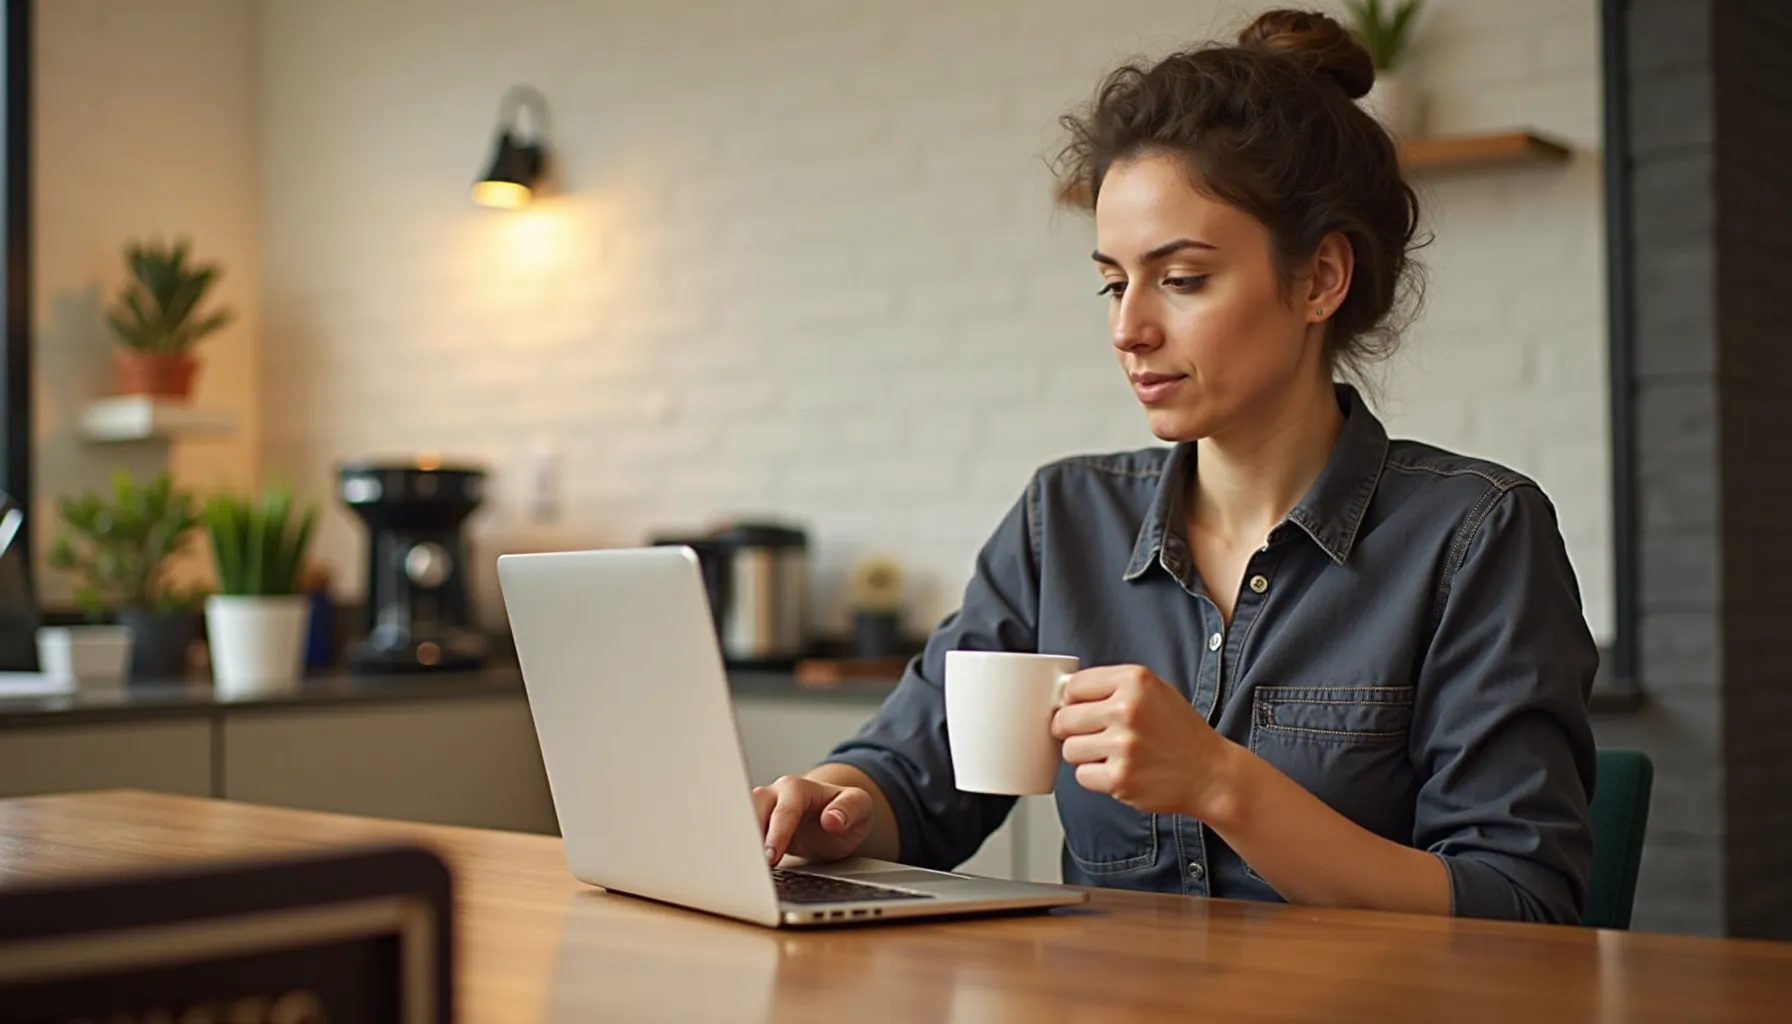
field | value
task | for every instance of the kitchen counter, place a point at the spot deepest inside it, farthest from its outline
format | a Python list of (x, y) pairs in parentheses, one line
[(175, 698), (449, 748)]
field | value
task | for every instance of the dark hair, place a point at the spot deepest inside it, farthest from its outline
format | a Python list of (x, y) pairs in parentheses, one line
[(1270, 126)]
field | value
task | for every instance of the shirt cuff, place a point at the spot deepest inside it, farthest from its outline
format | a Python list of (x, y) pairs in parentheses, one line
[(1478, 889)]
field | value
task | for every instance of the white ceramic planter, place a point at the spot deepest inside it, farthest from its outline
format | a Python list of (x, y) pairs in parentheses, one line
[(257, 643), (1397, 104), (90, 657)]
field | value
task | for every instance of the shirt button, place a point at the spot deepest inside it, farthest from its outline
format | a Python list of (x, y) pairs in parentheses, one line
[(1214, 642), (1259, 584), (1196, 871)]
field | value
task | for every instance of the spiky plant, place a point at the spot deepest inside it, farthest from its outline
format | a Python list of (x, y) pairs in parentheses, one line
[(1385, 30), (158, 310), (259, 544)]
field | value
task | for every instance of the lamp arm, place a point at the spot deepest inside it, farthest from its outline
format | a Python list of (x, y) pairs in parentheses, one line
[(518, 97)]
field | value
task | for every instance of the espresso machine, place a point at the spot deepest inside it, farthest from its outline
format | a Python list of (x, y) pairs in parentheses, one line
[(418, 607)]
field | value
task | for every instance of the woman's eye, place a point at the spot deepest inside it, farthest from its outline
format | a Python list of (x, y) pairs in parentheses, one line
[(1186, 284), (1113, 288)]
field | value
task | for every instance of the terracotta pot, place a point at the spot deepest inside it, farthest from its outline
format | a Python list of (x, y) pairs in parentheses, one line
[(164, 374)]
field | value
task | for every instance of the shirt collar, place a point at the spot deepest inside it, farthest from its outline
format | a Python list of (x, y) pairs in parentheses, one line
[(1331, 512)]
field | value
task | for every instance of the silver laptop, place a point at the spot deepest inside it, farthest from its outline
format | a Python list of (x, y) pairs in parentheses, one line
[(631, 705)]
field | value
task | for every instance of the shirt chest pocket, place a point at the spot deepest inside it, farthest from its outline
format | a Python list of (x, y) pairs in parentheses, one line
[(1341, 716), (1347, 745)]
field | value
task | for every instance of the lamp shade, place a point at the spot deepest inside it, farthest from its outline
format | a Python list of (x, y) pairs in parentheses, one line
[(517, 163), (510, 182)]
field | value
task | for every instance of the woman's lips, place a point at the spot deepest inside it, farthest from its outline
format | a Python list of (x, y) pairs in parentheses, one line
[(1153, 388)]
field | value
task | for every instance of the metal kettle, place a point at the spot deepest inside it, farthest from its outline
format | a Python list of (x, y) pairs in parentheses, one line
[(762, 594)]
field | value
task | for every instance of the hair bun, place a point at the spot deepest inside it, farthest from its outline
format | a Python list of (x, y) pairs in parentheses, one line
[(1316, 41)]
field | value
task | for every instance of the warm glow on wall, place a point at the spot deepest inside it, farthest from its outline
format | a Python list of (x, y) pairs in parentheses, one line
[(523, 268), (539, 241)]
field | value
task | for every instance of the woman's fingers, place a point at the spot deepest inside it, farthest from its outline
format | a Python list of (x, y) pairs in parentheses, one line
[(847, 810), (764, 799), (1098, 683), (1085, 749), (793, 799), (1095, 776), (1078, 719)]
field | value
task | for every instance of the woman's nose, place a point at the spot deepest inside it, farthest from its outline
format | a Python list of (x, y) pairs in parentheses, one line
[(1133, 329)]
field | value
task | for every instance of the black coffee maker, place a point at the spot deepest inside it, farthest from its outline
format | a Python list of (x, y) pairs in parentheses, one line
[(418, 616)]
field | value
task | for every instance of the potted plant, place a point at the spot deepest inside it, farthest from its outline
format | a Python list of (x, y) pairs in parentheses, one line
[(1385, 30), (157, 319), (256, 623), (119, 544)]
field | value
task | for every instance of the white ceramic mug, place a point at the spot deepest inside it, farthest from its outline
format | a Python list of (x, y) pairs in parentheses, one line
[(999, 709)]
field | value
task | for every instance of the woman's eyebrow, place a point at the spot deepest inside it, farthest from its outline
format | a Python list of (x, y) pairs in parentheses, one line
[(1158, 253)]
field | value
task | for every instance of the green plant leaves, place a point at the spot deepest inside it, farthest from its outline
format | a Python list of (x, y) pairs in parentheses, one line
[(155, 312), (119, 543), (1383, 29), (223, 521), (259, 545), (62, 554)]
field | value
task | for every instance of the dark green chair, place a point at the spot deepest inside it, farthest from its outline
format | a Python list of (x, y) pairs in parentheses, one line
[(1620, 814)]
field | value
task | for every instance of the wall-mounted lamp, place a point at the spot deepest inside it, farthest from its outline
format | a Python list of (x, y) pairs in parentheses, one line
[(517, 165)]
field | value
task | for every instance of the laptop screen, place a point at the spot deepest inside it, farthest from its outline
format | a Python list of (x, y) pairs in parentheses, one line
[(18, 609)]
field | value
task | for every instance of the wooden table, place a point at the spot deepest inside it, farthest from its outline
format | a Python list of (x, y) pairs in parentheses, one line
[(537, 945)]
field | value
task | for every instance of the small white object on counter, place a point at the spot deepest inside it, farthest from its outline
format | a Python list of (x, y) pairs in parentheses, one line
[(32, 684), (257, 643), (91, 657)]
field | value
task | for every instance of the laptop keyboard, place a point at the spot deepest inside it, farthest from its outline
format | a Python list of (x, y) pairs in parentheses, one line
[(802, 887)]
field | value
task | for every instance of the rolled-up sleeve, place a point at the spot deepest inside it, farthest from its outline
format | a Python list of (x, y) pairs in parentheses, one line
[(904, 749), (1501, 733)]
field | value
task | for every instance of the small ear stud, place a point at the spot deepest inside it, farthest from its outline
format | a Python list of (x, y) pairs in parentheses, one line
[(1320, 312)]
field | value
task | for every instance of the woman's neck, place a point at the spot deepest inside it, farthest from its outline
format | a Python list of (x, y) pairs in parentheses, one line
[(1248, 479)]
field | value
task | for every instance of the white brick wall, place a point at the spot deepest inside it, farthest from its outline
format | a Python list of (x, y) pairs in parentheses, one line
[(803, 261)]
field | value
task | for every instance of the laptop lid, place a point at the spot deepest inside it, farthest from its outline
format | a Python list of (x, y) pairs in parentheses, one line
[(631, 707), (18, 608)]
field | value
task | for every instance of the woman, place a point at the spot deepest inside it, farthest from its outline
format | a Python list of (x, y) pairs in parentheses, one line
[(1326, 667)]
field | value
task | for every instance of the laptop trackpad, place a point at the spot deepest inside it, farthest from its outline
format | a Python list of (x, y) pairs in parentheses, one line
[(900, 876), (907, 877)]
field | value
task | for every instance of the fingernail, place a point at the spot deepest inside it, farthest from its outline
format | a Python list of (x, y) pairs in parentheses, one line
[(836, 819), (771, 855)]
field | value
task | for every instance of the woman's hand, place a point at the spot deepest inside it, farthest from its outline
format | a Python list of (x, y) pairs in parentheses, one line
[(812, 819), (1134, 737)]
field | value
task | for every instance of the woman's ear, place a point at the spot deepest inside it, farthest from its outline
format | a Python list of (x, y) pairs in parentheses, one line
[(1329, 279)]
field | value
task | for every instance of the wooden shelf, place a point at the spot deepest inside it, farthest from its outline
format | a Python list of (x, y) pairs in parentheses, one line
[(1504, 149), (143, 418), (827, 672), (1453, 152)]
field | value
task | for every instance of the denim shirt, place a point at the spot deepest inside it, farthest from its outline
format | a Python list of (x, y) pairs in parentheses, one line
[(1408, 646)]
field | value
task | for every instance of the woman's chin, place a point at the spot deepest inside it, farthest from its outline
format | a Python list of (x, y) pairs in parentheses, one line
[(1175, 425)]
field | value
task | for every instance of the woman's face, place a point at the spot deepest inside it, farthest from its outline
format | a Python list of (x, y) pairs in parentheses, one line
[(1202, 327)]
